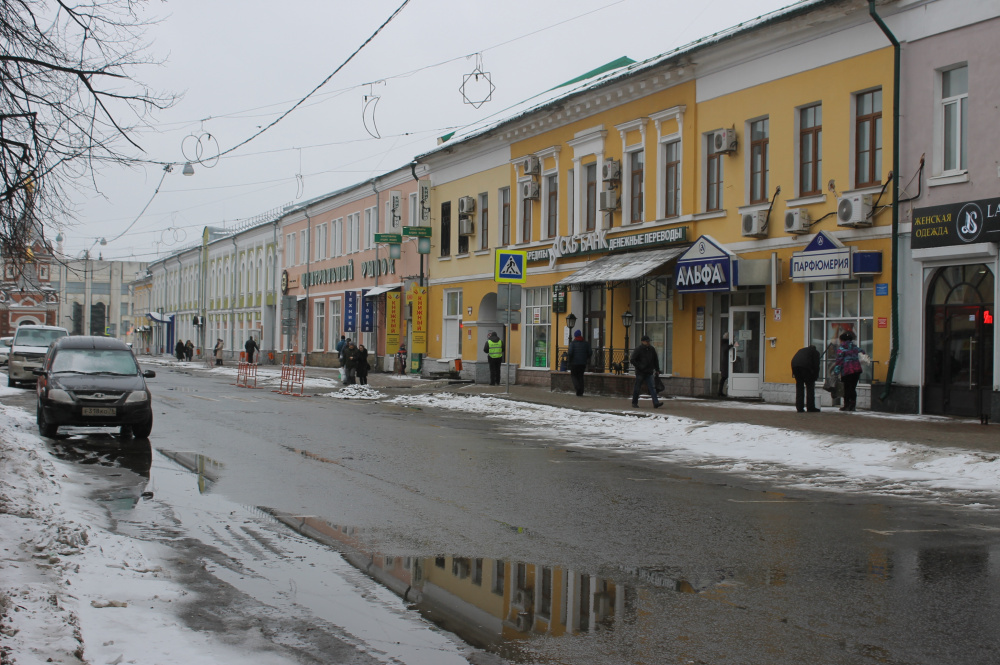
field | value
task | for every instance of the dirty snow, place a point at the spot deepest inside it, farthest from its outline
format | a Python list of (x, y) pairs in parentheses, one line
[(788, 458)]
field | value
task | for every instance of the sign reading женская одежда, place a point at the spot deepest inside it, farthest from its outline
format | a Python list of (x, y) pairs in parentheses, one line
[(956, 224)]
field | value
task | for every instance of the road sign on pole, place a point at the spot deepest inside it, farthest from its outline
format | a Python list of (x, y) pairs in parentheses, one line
[(510, 266), (388, 237), (418, 231)]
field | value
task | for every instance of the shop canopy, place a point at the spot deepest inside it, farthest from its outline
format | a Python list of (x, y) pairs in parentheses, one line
[(615, 268), (160, 318), (379, 290)]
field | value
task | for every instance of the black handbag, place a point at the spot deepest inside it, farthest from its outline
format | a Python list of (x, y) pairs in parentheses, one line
[(659, 384)]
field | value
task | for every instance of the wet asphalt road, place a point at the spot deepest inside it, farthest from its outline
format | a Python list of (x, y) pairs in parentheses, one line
[(645, 562)]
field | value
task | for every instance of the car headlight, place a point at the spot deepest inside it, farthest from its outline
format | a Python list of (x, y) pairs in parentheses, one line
[(137, 397), (57, 395)]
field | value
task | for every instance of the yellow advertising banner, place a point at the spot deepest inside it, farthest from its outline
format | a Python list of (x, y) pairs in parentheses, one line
[(392, 322), (418, 298)]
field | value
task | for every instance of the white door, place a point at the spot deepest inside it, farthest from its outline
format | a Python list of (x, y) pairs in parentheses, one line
[(746, 358)]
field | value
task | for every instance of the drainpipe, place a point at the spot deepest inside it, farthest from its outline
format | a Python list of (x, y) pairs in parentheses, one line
[(309, 242), (894, 275), (232, 301), (378, 204), (274, 288)]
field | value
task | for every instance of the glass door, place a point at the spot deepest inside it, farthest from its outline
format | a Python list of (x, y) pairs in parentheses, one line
[(746, 366)]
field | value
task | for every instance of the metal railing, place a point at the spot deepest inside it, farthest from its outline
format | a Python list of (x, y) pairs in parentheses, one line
[(603, 359)]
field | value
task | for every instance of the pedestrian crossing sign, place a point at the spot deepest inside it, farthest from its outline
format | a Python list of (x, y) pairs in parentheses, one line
[(510, 266)]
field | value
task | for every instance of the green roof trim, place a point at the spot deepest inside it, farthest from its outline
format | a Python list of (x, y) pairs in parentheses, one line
[(623, 61), (442, 139)]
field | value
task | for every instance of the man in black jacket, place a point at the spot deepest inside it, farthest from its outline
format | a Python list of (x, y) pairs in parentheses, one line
[(251, 347), (805, 369), (579, 355), (646, 364)]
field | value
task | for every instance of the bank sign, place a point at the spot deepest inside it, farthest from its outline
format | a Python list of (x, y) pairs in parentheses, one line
[(598, 241), (956, 224), (705, 266)]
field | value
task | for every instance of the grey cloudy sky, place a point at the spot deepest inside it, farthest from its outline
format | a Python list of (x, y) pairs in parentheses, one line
[(239, 65)]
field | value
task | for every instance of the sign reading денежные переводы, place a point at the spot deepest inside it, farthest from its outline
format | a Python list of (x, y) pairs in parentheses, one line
[(956, 224)]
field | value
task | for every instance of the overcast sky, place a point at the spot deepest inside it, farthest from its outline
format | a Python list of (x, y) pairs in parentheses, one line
[(239, 65)]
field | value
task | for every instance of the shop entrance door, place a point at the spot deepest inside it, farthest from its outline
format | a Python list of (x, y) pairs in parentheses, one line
[(746, 366)]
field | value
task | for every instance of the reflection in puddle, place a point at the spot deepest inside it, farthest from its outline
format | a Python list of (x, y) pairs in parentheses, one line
[(111, 452)]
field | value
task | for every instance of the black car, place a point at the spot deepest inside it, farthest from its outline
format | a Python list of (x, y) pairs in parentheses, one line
[(93, 382)]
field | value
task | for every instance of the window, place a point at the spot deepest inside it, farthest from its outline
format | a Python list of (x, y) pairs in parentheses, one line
[(591, 204), (654, 313), (477, 572), (290, 249), (759, 160), (955, 117), (505, 216), (337, 237), (451, 344), (335, 323), (321, 242), (713, 180), (446, 228), (304, 245), (868, 139), (570, 200), (526, 205), (552, 206), (463, 243), (537, 307), (353, 232), (319, 333), (835, 307), (414, 215), (371, 228), (635, 185), (499, 577), (810, 150), (672, 178), (484, 221)]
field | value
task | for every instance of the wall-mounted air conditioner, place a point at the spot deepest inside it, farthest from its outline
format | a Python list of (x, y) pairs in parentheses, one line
[(531, 165), (530, 190), (797, 220), (523, 623), (724, 141), (755, 224), (466, 205), (466, 227), (854, 210), (612, 170), (608, 200)]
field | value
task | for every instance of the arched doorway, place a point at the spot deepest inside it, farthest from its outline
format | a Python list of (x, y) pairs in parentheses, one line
[(959, 341)]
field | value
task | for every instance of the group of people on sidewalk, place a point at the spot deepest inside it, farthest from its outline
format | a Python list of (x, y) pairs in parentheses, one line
[(353, 362), (184, 350), (846, 370)]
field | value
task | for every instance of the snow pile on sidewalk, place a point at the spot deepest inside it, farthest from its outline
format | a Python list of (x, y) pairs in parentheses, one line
[(357, 391), (781, 457), (72, 591)]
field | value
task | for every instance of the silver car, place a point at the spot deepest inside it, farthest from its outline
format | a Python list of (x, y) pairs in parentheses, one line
[(27, 350), (5, 349)]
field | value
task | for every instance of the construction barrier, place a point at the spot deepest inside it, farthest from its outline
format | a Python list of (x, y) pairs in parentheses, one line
[(246, 375), (292, 377)]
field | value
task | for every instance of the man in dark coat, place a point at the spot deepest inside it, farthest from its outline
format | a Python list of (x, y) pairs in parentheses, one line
[(494, 353), (351, 358), (646, 364), (579, 356), (805, 369), (250, 347)]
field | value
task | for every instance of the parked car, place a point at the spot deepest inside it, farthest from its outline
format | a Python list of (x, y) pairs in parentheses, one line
[(27, 349), (5, 349), (93, 382)]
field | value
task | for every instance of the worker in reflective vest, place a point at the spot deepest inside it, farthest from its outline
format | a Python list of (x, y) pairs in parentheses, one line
[(494, 351)]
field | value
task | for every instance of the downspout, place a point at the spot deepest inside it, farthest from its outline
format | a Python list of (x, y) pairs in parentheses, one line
[(232, 300), (894, 275), (378, 203), (274, 289), (413, 170), (309, 242)]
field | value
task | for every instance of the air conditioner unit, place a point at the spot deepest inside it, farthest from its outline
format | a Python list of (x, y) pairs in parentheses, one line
[(466, 227), (612, 170), (523, 624), (529, 190), (531, 165), (608, 200), (755, 224), (724, 141), (854, 210), (466, 205), (797, 220), (524, 598)]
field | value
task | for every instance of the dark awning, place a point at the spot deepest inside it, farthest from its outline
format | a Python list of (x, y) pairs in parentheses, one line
[(622, 267)]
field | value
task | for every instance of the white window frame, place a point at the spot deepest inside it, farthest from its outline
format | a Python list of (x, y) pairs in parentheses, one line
[(371, 227), (451, 348), (319, 322), (321, 242), (706, 145), (748, 163), (675, 113), (336, 322), (290, 249), (585, 143), (353, 232), (961, 101), (625, 184), (304, 246), (797, 148), (337, 237), (413, 216), (483, 209)]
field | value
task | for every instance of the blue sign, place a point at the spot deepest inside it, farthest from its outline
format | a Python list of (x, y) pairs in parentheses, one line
[(350, 311), (706, 266), (867, 263), (882, 289), (367, 312)]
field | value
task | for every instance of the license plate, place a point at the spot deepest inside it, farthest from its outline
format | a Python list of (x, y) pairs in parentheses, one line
[(98, 411)]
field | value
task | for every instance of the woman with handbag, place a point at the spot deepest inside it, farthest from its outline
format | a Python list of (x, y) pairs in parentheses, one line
[(848, 368)]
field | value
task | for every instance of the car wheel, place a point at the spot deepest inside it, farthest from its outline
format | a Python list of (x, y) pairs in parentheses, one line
[(126, 432), (45, 428), (11, 383), (142, 430)]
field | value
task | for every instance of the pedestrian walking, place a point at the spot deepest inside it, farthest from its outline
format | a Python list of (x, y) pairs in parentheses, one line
[(494, 354), (848, 368), (724, 347), (189, 350), (250, 347), (342, 348), (340, 344), (179, 350), (400, 364), (350, 363), (647, 365), (579, 356), (362, 365), (805, 369), (219, 346)]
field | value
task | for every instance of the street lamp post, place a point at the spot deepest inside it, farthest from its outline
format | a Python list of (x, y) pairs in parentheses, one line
[(627, 322)]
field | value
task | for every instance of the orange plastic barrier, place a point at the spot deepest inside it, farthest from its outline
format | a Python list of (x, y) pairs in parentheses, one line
[(246, 375), (293, 379)]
